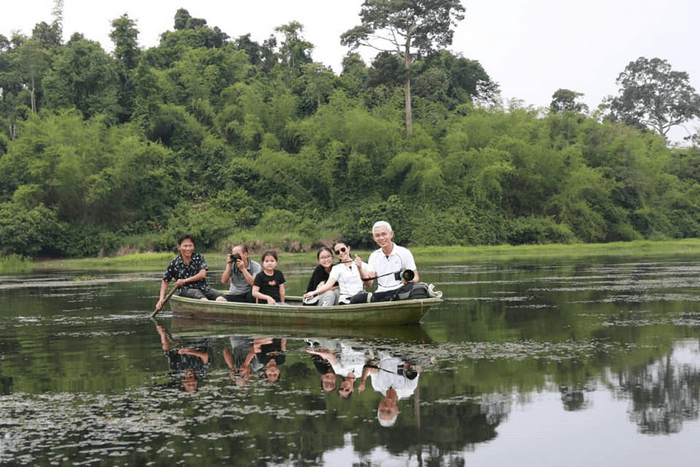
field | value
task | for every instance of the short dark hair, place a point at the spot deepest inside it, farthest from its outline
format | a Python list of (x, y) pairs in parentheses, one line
[(184, 237), (272, 253), (243, 246)]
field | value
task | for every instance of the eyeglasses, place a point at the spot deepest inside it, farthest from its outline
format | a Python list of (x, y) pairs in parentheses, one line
[(325, 257), (341, 250)]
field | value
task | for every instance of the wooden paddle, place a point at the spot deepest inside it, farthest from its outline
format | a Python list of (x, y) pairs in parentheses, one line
[(164, 301)]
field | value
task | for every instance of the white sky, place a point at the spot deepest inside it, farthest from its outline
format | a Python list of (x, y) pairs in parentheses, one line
[(530, 48)]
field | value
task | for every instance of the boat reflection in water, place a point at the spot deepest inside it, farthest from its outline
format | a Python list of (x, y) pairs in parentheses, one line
[(344, 365)]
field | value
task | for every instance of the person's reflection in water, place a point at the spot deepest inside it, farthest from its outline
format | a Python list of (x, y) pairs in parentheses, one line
[(388, 409), (190, 358), (394, 379), (248, 356), (337, 358), (322, 361)]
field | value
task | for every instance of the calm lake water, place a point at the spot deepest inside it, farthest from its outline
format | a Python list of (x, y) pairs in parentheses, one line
[(580, 363)]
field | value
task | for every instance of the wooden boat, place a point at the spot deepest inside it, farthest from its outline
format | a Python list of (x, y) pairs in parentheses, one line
[(295, 313)]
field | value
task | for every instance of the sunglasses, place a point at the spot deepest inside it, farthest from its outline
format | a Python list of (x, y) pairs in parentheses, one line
[(341, 250)]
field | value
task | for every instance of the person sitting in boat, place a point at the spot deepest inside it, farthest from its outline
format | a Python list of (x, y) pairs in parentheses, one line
[(348, 274), (319, 277), (240, 271), (392, 265), (268, 285), (189, 270)]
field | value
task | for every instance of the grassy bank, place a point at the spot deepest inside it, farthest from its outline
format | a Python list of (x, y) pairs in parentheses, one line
[(426, 255)]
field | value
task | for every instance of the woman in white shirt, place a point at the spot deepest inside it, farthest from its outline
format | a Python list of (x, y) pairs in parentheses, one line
[(348, 274)]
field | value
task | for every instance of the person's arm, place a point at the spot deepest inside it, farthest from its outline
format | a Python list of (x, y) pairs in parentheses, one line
[(321, 288), (163, 289), (249, 278), (226, 275), (366, 276), (204, 356), (369, 367), (163, 338), (228, 358), (261, 296), (282, 293), (202, 274)]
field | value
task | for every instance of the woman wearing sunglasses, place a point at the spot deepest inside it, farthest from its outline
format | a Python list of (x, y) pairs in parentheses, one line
[(347, 274)]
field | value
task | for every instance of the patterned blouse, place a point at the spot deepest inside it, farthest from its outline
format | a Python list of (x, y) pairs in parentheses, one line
[(178, 269)]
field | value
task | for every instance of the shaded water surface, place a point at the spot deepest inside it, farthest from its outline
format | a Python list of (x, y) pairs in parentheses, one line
[(591, 363)]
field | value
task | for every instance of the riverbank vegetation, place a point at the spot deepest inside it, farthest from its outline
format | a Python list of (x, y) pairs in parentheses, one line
[(425, 256), (231, 140)]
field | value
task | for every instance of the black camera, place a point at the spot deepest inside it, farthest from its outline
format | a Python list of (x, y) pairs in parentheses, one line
[(406, 274), (234, 257)]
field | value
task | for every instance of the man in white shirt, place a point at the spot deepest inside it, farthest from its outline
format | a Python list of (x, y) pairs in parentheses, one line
[(392, 265)]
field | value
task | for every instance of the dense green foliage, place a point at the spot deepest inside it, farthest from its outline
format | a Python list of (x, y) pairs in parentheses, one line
[(230, 139)]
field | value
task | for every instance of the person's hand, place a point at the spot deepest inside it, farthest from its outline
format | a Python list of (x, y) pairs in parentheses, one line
[(270, 301), (159, 305), (361, 387), (240, 264), (180, 283), (358, 261), (308, 294)]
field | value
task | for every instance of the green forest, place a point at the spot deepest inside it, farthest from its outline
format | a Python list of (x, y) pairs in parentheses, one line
[(233, 140)]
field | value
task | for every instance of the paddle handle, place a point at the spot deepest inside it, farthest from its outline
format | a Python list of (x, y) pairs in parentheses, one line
[(155, 312)]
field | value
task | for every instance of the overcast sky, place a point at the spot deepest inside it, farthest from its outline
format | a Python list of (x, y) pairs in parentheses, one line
[(530, 48)]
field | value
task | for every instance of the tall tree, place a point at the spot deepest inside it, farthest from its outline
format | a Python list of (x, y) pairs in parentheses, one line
[(124, 35), (294, 50), (654, 96), (402, 26), (83, 76), (566, 100)]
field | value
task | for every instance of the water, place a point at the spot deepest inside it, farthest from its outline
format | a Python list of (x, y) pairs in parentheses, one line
[(547, 364)]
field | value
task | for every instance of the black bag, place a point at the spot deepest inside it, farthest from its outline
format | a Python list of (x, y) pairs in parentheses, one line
[(412, 290)]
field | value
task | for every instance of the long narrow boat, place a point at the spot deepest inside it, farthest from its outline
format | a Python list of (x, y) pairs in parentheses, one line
[(294, 312)]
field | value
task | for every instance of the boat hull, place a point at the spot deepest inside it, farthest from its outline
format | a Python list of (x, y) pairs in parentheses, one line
[(294, 313)]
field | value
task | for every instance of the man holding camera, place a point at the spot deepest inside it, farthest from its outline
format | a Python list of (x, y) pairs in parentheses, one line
[(393, 265), (241, 272)]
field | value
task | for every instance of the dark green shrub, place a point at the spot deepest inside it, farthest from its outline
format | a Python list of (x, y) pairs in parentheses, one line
[(538, 230)]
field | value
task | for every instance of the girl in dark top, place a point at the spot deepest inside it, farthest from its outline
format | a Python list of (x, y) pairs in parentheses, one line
[(268, 285), (319, 277)]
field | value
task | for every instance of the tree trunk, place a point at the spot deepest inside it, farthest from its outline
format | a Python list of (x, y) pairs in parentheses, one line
[(32, 94), (407, 90)]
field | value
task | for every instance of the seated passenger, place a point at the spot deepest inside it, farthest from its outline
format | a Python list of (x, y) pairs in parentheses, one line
[(189, 269), (351, 276), (241, 272), (320, 277), (268, 285)]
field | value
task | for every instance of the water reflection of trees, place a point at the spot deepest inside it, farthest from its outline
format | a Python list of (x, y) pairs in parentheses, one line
[(662, 395)]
